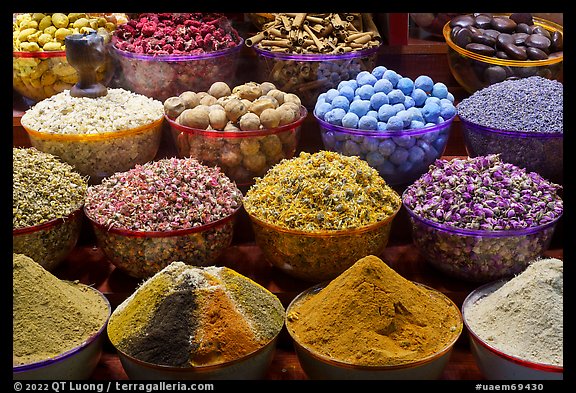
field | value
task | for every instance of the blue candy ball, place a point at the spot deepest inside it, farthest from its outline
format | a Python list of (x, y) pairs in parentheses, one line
[(365, 91), (419, 96), (406, 85), (396, 97), (372, 113), (321, 109), (365, 78), (359, 107), (385, 112), (399, 156), (392, 76), (414, 124), (439, 90), (447, 110), (405, 116), (409, 102), (369, 144), (381, 126), (374, 159), (350, 148), (334, 116), (367, 123), (395, 123), (347, 91), (331, 94), (431, 111), (350, 120), (425, 83), (341, 102), (386, 147), (378, 71), (383, 85), (378, 99)]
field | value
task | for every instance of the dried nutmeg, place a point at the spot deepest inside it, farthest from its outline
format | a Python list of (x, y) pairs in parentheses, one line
[(195, 118), (249, 91), (235, 108), (219, 89), (190, 99), (261, 103), (249, 121), (270, 118), (173, 107)]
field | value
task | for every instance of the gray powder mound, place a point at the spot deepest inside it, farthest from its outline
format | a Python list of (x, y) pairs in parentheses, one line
[(533, 104)]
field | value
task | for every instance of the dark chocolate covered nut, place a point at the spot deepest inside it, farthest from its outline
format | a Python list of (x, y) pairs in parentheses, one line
[(540, 30), (536, 53), (504, 39), (492, 32), (522, 17), (481, 49), (482, 21), (462, 21), (494, 74), (557, 42), (519, 38), (524, 28), (503, 24), (515, 52), (502, 55), (462, 37), (484, 39), (538, 41)]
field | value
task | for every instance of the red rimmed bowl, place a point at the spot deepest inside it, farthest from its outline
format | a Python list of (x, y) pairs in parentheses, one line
[(319, 366), (496, 364), (141, 254), (539, 152), (400, 157), (51, 242), (76, 364), (164, 76), (242, 155), (309, 75)]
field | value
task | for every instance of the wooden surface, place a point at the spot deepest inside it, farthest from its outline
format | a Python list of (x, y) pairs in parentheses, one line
[(88, 264)]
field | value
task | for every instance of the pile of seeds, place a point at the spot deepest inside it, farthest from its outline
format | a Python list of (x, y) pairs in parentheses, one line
[(321, 191), (163, 195), (44, 188), (533, 104)]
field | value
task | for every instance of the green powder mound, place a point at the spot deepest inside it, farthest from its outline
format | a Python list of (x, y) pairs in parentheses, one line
[(50, 316), (195, 316)]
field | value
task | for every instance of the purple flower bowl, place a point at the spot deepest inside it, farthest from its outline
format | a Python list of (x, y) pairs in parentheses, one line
[(479, 255), (400, 157), (538, 152)]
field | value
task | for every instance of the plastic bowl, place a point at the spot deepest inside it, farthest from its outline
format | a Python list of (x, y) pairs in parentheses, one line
[(309, 75), (493, 363), (320, 255), (224, 148), (141, 254), (479, 255), (536, 151), (51, 242), (164, 76), (100, 155), (400, 157), (474, 71), (76, 364), (250, 367), (39, 75), (319, 366)]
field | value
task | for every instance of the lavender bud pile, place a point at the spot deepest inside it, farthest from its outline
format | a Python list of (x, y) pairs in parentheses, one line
[(188, 207), (482, 203), (529, 116)]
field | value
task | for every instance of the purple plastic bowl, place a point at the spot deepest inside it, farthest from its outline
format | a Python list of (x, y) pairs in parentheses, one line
[(400, 157), (479, 255), (164, 76), (539, 152), (309, 75)]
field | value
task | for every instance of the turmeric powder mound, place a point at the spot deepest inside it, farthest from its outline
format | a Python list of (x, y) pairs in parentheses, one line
[(372, 316)]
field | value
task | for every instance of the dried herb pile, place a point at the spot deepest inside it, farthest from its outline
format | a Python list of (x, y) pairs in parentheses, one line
[(321, 191)]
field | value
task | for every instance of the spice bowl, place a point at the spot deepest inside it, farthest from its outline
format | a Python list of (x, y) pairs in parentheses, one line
[(51, 242), (141, 254), (39, 75), (102, 154), (477, 255), (316, 256), (400, 157), (75, 364), (541, 152), (474, 71), (242, 155), (494, 363), (250, 367), (163, 76), (319, 366), (309, 75)]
